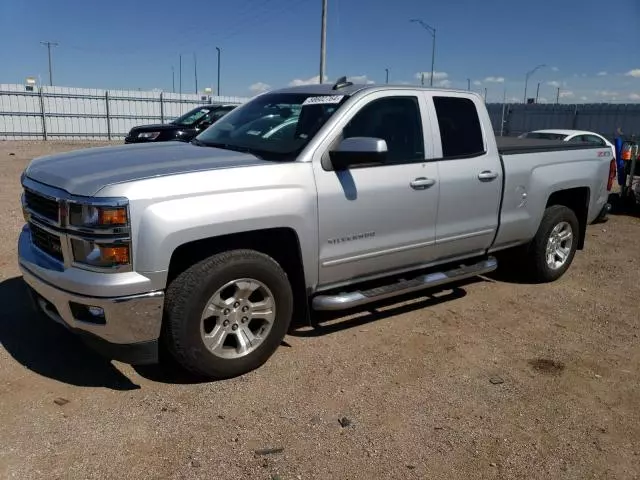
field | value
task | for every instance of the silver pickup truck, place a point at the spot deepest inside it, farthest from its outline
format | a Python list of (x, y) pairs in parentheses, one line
[(320, 197)]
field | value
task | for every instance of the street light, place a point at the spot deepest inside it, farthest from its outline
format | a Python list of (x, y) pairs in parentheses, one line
[(526, 79), (218, 49), (387, 70), (432, 31)]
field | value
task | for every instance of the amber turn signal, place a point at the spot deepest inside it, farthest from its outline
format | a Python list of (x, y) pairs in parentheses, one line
[(115, 255), (112, 216)]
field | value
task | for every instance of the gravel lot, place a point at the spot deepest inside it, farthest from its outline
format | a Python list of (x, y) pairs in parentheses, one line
[(493, 379)]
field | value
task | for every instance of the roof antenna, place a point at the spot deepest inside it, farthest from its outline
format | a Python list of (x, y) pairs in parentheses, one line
[(341, 83)]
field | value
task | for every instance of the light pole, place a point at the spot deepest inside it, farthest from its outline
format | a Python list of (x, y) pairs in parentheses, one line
[(173, 79), (195, 70), (537, 92), (218, 49), (387, 77), (432, 31), (504, 102), (49, 45), (323, 42), (526, 79), (469, 84)]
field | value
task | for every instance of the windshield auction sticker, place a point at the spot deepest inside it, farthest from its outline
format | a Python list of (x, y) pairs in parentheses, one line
[(325, 99)]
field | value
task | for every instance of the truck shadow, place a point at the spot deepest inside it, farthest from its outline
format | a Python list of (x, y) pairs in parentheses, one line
[(327, 323), (46, 348), (621, 207)]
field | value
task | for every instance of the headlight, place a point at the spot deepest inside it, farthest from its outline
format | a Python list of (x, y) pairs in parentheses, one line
[(149, 135), (101, 254), (93, 216)]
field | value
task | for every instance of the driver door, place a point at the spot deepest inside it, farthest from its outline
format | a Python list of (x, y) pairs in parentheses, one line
[(378, 219)]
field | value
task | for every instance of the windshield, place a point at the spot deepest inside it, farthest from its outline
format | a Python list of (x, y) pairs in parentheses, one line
[(277, 125), (544, 135), (192, 116)]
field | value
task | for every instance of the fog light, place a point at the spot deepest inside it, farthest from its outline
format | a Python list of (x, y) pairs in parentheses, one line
[(88, 313), (96, 311)]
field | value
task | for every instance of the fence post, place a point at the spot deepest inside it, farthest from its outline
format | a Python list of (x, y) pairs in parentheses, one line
[(43, 116), (161, 109), (106, 103)]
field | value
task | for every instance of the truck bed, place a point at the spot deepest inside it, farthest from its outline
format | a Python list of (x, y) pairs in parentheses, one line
[(515, 145)]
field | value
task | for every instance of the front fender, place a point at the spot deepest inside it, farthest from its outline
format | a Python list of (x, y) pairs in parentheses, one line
[(166, 225)]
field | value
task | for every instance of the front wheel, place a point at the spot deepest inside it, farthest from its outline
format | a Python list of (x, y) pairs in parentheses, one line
[(226, 315), (552, 250)]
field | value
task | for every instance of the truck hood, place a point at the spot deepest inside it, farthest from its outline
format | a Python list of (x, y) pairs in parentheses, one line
[(85, 172)]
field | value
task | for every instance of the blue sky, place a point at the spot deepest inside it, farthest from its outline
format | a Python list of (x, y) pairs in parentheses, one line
[(591, 47)]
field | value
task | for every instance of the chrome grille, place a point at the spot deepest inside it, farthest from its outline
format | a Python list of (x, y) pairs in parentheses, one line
[(42, 206), (47, 242)]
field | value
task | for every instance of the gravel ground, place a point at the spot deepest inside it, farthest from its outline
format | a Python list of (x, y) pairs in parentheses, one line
[(493, 379)]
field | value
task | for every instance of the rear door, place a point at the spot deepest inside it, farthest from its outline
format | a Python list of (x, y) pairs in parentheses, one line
[(470, 174)]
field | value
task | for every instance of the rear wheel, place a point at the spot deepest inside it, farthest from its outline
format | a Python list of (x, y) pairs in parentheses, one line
[(226, 315), (552, 250)]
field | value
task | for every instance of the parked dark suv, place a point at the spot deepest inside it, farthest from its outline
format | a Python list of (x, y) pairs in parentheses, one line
[(183, 128)]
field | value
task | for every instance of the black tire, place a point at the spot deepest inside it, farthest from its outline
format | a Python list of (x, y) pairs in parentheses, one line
[(538, 268), (188, 294)]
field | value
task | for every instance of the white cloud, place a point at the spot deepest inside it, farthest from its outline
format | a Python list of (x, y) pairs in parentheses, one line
[(444, 83), (553, 83), (259, 87), (634, 96), (566, 94), (314, 80), (607, 94), (555, 69), (360, 79), (477, 83), (583, 98), (543, 100), (494, 79), (309, 81), (602, 74), (633, 73), (514, 100), (436, 75)]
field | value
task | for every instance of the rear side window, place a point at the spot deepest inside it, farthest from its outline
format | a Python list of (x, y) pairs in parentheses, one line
[(460, 130)]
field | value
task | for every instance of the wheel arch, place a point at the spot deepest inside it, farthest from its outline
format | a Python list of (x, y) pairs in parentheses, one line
[(280, 243), (577, 199)]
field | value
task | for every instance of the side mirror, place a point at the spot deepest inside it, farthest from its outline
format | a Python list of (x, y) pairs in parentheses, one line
[(358, 151)]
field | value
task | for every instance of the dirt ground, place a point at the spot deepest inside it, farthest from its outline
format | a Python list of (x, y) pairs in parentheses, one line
[(490, 379)]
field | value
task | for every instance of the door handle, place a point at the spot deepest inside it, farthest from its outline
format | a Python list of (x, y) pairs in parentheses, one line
[(422, 183), (487, 175)]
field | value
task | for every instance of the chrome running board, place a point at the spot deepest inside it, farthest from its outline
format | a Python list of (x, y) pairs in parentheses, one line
[(344, 300)]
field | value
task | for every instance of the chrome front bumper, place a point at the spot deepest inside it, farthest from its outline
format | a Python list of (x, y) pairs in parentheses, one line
[(126, 320)]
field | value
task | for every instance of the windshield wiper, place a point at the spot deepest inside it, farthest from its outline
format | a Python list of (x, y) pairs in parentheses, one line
[(262, 154), (228, 146)]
